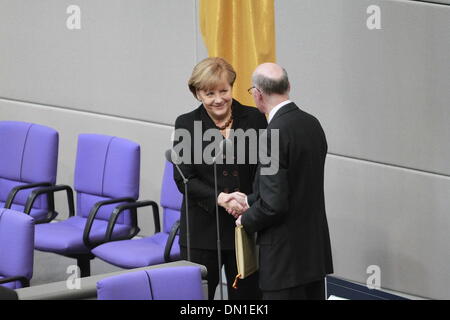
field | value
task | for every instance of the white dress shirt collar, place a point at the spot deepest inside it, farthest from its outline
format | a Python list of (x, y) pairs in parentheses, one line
[(276, 108)]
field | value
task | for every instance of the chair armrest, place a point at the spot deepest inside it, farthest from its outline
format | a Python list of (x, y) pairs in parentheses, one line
[(24, 281), (170, 239), (133, 207), (12, 194), (93, 213), (51, 191)]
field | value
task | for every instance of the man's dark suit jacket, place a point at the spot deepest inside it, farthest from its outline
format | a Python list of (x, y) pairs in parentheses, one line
[(288, 208), (231, 177)]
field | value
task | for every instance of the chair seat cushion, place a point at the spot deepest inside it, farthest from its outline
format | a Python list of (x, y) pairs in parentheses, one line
[(165, 283), (12, 284), (128, 286), (66, 237), (176, 283), (37, 214), (137, 253)]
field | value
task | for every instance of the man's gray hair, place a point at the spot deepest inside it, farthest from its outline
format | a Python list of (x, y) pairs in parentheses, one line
[(270, 85)]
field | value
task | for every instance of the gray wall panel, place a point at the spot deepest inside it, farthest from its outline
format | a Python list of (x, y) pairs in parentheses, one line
[(130, 58), (382, 95), (154, 140), (391, 217)]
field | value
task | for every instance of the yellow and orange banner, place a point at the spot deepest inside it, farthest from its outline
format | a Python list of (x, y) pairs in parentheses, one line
[(243, 33)]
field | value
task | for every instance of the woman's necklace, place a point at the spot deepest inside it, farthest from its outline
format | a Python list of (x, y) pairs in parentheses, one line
[(226, 123)]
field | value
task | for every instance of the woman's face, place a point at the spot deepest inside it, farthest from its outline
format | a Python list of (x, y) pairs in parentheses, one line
[(217, 101)]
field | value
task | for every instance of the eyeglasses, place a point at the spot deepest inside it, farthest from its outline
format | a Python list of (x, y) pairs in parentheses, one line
[(249, 90)]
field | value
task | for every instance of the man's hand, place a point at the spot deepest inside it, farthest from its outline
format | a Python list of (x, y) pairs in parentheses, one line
[(235, 203)]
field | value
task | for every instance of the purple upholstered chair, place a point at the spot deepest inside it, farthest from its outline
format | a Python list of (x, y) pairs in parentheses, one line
[(106, 176), (170, 283), (16, 249), (160, 247), (29, 156)]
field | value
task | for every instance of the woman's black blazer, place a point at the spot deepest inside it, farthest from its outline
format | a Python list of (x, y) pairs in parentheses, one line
[(230, 178)]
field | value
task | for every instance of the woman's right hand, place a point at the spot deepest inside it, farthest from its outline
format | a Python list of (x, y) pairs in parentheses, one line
[(235, 203)]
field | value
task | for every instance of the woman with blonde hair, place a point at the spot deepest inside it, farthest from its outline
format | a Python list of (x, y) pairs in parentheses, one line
[(211, 83)]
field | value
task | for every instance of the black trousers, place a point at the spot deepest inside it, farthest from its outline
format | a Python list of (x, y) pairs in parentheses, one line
[(248, 288), (310, 291)]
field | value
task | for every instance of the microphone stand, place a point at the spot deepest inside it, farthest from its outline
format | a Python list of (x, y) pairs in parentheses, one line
[(188, 234), (219, 248), (169, 156)]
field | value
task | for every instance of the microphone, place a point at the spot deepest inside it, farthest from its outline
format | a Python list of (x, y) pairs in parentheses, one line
[(173, 158), (224, 145), (171, 155)]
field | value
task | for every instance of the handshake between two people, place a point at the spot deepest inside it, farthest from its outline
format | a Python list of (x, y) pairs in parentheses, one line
[(234, 203)]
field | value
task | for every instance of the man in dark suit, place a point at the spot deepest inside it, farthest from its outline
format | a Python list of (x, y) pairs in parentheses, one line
[(287, 207)]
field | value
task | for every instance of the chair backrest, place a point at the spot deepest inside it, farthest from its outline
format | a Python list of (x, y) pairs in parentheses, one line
[(106, 167), (29, 154), (171, 198), (170, 283), (16, 244)]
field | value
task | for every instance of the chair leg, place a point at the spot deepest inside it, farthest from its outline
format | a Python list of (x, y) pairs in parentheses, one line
[(84, 263), (25, 283)]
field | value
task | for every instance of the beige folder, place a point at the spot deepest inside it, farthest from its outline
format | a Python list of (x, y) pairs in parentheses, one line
[(246, 256)]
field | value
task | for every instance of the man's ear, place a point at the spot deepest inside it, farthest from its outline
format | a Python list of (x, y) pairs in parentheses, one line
[(259, 96)]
